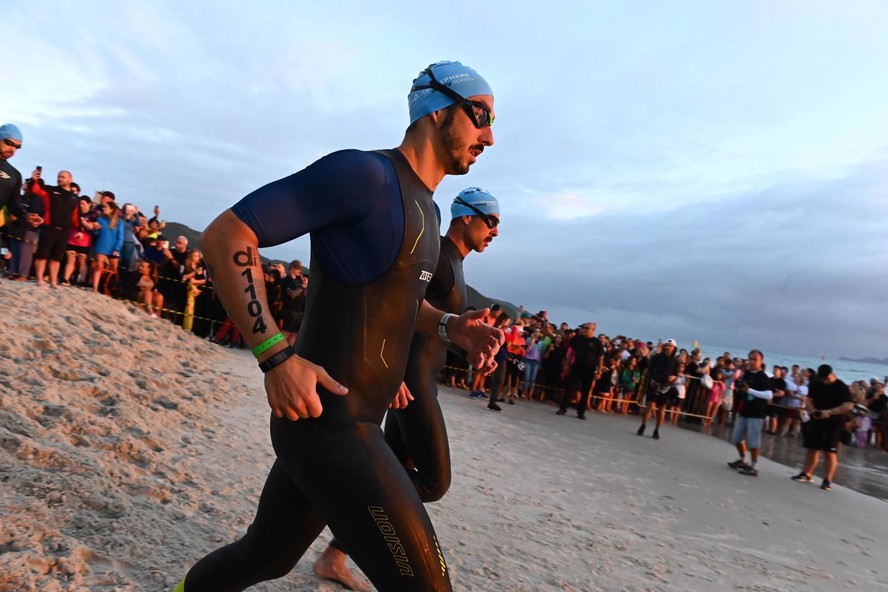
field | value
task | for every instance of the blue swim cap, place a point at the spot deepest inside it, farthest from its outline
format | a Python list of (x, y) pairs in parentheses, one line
[(9, 131), (477, 197), (423, 99)]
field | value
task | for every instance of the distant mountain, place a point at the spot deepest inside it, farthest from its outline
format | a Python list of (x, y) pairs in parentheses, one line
[(174, 229), (479, 301), (867, 360)]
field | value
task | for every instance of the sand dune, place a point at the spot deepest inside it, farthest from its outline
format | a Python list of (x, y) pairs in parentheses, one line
[(129, 448)]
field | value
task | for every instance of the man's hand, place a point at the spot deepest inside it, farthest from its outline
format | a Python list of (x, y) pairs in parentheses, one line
[(402, 398), (480, 340), (291, 388)]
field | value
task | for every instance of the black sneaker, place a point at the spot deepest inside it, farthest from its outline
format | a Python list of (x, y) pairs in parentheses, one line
[(640, 431), (561, 412), (801, 478), (656, 435), (737, 464), (583, 417), (826, 485), (511, 401), (748, 470), (494, 407)]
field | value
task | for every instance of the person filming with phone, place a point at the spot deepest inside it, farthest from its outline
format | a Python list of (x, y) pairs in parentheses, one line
[(828, 402)]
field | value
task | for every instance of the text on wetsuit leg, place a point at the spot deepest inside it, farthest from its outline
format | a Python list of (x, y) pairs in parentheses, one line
[(246, 260), (395, 547)]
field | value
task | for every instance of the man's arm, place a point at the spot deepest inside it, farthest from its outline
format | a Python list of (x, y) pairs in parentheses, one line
[(840, 410), (468, 330), (766, 395), (231, 251)]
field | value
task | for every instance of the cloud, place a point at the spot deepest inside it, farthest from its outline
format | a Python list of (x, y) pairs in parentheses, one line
[(712, 172)]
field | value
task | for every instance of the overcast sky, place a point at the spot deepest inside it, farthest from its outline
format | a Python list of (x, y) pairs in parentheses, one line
[(711, 171)]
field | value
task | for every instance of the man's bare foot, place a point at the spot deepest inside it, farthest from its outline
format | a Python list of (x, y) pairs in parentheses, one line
[(330, 565)]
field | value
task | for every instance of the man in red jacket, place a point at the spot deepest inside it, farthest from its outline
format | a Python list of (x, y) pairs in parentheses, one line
[(61, 215)]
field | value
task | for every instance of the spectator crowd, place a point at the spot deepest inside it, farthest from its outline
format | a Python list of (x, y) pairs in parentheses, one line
[(58, 236)]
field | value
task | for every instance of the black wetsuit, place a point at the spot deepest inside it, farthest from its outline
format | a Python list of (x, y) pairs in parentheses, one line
[(337, 469), (417, 433), (10, 188)]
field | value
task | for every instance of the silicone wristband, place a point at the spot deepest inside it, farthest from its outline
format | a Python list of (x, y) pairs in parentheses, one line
[(442, 326), (265, 345), (277, 359)]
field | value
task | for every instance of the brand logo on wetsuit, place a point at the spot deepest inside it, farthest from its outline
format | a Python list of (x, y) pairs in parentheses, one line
[(396, 548), (425, 276)]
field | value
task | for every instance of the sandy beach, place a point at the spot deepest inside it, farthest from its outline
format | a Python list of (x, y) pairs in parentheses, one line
[(129, 448)]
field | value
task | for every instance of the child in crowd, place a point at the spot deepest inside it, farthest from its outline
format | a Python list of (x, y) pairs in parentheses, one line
[(603, 392), (144, 291), (533, 357), (680, 387), (715, 396), (109, 241), (629, 379), (79, 244)]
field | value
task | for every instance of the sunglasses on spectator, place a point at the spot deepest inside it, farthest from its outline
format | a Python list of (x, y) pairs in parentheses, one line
[(489, 219), (477, 112), (12, 144)]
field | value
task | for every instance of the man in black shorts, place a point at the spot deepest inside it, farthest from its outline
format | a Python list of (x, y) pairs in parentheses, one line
[(293, 285), (662, 374), (584, 369), (828, 402), (375, 246), (60, 216)]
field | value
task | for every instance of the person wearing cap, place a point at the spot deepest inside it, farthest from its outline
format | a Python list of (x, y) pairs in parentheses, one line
[(10, 177), (828, 402), (20, 215), (375, 248), (662, 374), (416, 433)]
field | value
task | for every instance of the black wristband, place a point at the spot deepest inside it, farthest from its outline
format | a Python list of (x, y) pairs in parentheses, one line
[(277, 359)]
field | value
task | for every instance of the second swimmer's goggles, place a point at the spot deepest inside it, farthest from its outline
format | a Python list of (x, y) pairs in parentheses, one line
[(477, 112), (489, 219)]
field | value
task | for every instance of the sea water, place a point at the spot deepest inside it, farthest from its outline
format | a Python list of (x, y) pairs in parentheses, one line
[(845, 370)]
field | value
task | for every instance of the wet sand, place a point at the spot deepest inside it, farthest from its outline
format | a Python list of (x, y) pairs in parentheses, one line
[(128, 449), (862, 469)]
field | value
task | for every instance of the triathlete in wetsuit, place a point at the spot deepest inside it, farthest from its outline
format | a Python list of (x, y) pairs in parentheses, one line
[(374, 247), (10, 177), (417, 433)]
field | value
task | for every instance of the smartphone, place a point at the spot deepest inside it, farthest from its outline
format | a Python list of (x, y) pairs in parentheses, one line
[(39, 169)]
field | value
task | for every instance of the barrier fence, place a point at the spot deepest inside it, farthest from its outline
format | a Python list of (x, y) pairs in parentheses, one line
[(637, 398), (188, 318)]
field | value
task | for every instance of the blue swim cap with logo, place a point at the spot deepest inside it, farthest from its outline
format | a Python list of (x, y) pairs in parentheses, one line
[(476, 197), (423, 99), (11, 132)]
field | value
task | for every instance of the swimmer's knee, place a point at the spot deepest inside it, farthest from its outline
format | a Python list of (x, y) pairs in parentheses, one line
[(434, 488)]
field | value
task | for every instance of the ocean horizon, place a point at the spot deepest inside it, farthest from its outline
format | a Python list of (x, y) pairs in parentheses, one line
[(847, 371)]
